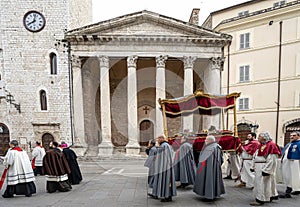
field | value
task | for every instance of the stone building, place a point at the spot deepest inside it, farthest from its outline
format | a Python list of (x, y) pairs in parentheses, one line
[(263, 63), (35, 86), (122, 66), (96, 86)]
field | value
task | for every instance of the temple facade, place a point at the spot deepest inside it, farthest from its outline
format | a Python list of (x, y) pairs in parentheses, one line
[(121, 67)]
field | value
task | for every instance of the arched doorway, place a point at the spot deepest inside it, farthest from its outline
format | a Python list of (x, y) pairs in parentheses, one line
[(4, 139), (46, 139), (146, 132), (243, 130), (290, 127)]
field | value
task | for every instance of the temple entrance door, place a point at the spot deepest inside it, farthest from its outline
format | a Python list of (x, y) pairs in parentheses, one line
[(243, 130), (146, 132), (4, 139), (46, 139)]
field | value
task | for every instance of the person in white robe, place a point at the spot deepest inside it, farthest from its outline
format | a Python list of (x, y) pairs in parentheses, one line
[(246, 152), (264, 166), (20, 175), (38, 154), (291, 166)]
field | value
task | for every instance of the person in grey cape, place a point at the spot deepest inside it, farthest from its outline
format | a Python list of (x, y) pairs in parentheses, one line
[(151, 151), (185, 166), (164, 180), (209, 182)]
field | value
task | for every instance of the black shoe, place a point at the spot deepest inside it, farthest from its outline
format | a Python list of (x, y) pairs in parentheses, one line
[(273, 198), (7, 196), (152, 196), (228, 177), (295, 192), (285, 195), (29, 195), (166, 199)]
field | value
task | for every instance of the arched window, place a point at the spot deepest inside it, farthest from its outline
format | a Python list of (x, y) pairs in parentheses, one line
[(43, 100), (53, 63)]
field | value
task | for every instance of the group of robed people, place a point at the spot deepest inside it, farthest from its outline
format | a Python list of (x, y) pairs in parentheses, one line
[(58, 164), (165, 169), (255, 165), (256, 169)]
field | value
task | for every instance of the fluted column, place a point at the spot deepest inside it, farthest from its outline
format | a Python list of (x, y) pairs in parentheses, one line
[(133, 146), (188, 88), (160, 92), (78, 114), (213, 86), (105, 147)]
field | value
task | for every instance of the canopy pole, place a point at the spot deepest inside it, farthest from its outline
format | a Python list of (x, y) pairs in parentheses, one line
[(223, 119), (235, 120), (165, 120)]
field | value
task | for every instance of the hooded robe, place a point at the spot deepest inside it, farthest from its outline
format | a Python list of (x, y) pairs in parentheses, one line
[(164, 179), (185, 166), (209, 182)]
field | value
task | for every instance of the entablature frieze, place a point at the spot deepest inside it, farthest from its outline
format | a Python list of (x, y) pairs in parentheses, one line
[(102, 39)]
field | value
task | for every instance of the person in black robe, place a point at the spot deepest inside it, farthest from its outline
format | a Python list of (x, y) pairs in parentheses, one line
[(75, 176), (209, 182), (56, 170)]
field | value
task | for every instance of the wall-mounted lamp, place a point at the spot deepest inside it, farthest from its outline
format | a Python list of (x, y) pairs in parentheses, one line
[(10, 98)]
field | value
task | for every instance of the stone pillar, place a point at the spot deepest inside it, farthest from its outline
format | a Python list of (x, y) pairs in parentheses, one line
[(160, 92), (105, 147), (212, 78), (133, 146), (79, 141), (188, 89)]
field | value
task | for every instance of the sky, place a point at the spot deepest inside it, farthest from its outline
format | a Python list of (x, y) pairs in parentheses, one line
[(178, 9)]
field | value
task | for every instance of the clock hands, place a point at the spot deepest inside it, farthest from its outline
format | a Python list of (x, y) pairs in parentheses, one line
[(34, 19)]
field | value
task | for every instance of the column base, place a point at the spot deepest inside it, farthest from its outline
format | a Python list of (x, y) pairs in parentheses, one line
[(105, 149), (79, 150), (133, 149)]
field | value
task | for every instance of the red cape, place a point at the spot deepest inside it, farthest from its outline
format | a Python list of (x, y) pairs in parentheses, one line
[(269, 148)]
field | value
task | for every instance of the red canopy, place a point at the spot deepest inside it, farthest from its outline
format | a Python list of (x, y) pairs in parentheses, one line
[(205, 103)]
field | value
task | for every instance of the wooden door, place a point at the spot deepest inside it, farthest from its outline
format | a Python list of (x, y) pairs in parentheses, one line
[(146, 132), (46, 139), (4, 139)]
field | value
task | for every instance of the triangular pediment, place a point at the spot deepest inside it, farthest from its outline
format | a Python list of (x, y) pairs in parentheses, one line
[(146, 23)]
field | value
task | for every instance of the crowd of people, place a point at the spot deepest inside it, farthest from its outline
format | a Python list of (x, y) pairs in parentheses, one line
[(253, 164), (58, 165)]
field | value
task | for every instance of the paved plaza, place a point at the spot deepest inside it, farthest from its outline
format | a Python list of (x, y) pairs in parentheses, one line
[(123, 182)]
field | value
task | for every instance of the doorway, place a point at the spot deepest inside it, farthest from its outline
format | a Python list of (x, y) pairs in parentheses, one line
[(146, 132), (4, 139)]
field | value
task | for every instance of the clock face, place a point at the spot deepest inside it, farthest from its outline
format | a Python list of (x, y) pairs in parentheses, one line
[(34, 21)]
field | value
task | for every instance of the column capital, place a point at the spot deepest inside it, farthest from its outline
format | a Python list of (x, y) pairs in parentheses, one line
[(131, 61), (76, 61), (104, 61), (217, 63), (161, 60), (189, 61)]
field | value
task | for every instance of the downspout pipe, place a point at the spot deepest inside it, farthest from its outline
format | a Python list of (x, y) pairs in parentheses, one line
[(278, 83), (71, 91)]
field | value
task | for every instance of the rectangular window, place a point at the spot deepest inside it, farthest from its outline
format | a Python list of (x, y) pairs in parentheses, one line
[(244, 104), (279, 3), (243, 13), (244, 73), (244, 41)]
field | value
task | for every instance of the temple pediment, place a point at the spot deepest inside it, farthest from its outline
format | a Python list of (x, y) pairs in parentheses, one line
[(145, 24)]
